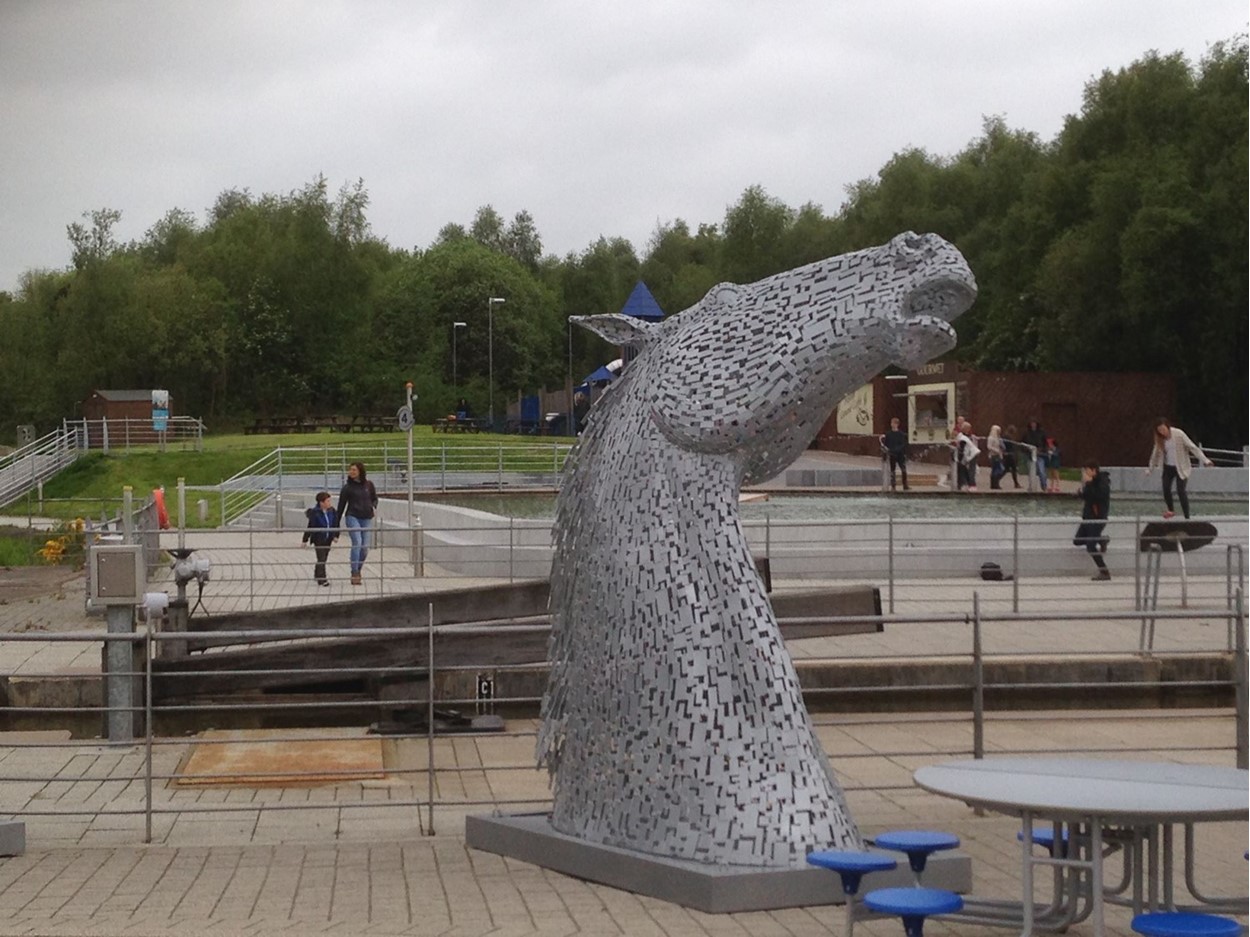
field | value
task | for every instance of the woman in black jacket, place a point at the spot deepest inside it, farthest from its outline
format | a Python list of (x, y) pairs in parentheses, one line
[(358, 499), (1095, 492)]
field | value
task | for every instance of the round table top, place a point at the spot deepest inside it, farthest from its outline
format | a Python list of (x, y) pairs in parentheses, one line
[(1063, 788)]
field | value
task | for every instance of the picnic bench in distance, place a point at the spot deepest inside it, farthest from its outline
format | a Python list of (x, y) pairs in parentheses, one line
[(360, 423), (280, 424), (448, 425)]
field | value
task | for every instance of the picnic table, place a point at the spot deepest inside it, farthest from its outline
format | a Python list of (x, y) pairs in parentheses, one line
[(1098, 800), (359, 423), (448, 425), (281, 424)]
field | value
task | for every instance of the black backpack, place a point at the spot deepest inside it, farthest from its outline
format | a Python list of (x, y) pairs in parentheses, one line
[(992, 572)]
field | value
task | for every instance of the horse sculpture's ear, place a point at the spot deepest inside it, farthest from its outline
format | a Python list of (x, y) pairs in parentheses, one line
[(616, 328), (722, 296)]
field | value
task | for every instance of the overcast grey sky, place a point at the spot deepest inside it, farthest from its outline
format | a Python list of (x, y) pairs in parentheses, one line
[(597, 118)]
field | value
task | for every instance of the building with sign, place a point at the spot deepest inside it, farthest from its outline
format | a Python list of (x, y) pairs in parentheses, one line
[(130, 415), (1100, 415)]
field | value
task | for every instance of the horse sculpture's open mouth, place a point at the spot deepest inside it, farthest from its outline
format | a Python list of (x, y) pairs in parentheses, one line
[(946, 298)]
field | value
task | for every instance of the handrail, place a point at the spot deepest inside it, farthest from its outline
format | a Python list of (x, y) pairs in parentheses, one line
[(36, 462)]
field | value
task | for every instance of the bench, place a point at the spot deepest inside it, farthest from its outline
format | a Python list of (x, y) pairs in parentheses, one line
[(448, 425)]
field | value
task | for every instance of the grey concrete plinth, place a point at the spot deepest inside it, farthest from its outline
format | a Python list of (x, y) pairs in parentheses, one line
[(12, 838), (714, 889)]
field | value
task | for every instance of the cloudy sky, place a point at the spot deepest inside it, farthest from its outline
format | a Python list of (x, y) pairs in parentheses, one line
[(598, 118)]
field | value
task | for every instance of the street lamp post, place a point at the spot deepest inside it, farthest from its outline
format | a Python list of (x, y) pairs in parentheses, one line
[(455, 384), (490, 353), (572, 426)]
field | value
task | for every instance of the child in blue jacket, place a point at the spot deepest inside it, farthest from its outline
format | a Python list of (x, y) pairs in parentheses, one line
[(323, 530)]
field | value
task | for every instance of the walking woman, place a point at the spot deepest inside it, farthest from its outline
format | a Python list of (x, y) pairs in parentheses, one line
[(357, 501), (1172, 450)]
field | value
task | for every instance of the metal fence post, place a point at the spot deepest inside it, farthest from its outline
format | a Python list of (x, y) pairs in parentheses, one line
[(499, 476), (978, 682), (147, 729), (511, 550), (442, 470), (429, 719), (890, 561), (128, 519), (182, 513), (1239, 675), (1229, 587), (1015, 563), (1139, 593), (251, 569)]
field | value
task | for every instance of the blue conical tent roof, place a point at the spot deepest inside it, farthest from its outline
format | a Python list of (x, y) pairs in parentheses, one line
[(600, 374), (642, 305)]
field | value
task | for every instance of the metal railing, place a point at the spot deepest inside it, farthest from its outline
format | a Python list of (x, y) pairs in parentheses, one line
[(304, 469), (426, 778), (27, 468), (256, 561), (124, 433)]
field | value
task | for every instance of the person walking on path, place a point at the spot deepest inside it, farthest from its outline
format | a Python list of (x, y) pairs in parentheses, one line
[(997, 450), (323, 530), (358, 500), (1052, 465), (966, 453), (1011, 446), (1035, 437), (1095, 493), (1173, 449), (894, 441)]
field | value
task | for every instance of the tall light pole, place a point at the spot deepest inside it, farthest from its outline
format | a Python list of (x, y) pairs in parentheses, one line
[(455, 384), (490, 353), (572, 425)]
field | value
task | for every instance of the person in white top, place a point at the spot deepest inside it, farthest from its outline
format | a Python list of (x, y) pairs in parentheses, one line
[(1172, 450), (994, 446), (966, 453)]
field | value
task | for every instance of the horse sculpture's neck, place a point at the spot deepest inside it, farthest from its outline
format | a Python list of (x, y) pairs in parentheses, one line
[(671, 689)]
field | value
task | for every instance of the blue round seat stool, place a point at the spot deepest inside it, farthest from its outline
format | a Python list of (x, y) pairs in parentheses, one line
[(913, 905), (851, 868), (918, 844), (1044, 836), (1184, 924)]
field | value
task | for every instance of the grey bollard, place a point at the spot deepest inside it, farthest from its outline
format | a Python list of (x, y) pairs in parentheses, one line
[(120, 682), (12, 838), (201, 508)]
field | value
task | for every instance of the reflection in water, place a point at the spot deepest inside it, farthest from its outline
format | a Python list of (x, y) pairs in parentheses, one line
[(824, 506)]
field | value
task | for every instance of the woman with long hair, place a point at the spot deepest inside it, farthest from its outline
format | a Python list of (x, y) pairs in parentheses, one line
[(1172, 449), (358, 500)]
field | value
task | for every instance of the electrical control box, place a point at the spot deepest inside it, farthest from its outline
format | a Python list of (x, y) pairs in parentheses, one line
[(117, 575)]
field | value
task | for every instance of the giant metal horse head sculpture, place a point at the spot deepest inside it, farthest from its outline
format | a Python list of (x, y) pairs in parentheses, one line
[(673, 723)]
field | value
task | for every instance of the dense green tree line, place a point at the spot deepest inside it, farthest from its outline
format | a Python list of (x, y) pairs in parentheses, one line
[(1119, 245)]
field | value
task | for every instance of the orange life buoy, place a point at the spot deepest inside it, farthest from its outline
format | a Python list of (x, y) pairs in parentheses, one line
[(162, 516)]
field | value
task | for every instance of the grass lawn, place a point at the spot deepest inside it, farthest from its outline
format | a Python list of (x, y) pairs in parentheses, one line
[(92, 486)]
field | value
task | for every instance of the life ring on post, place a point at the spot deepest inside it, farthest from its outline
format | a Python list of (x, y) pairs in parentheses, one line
[(162, 515)]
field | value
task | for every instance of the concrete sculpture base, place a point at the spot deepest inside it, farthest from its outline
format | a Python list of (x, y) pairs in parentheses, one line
[(714, 889)]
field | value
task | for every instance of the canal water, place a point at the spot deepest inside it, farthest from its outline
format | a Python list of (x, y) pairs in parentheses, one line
[(859, 506)]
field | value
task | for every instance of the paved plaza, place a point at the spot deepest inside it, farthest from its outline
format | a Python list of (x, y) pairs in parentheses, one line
[(341, 859)]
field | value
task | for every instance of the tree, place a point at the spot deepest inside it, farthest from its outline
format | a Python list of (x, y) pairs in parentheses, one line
[(754, 239)]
